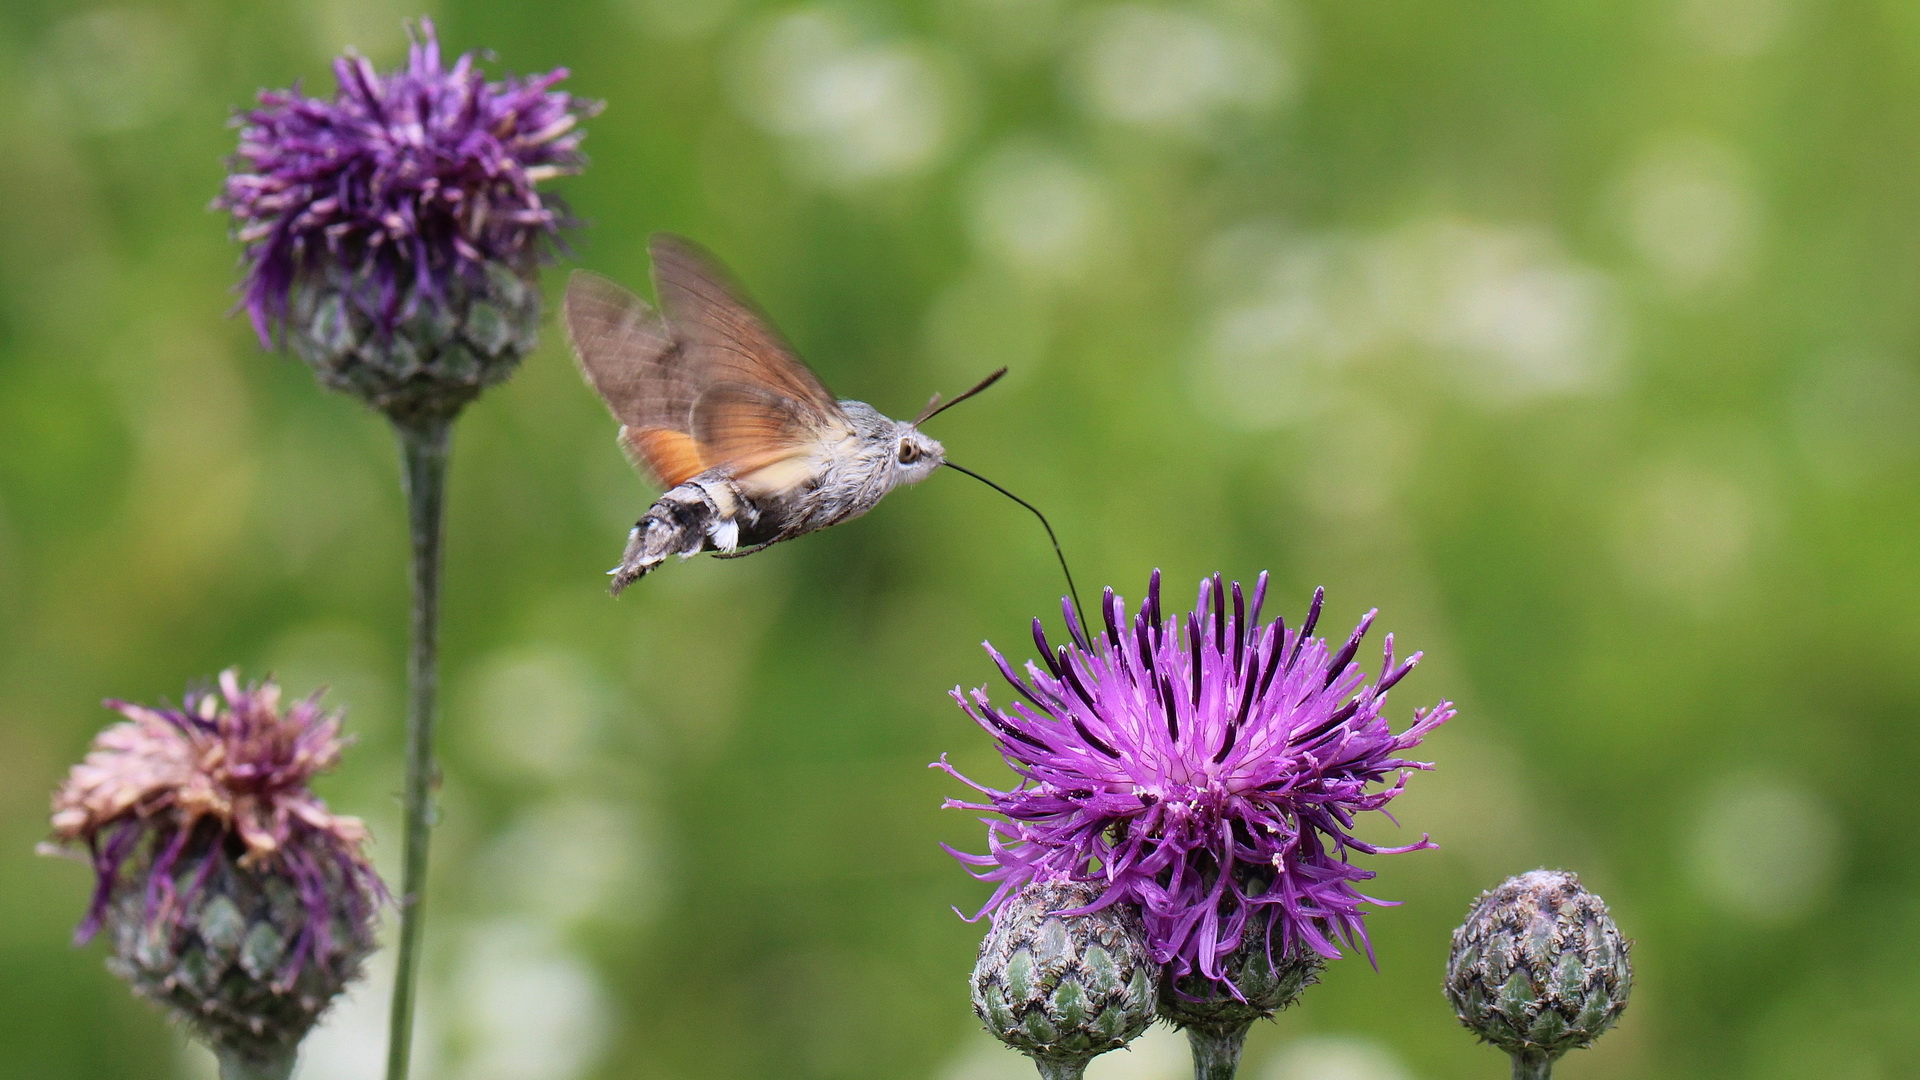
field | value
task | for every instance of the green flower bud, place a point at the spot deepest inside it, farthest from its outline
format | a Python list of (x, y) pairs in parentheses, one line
[(1538, 968), (1063, 989), (464, 337)]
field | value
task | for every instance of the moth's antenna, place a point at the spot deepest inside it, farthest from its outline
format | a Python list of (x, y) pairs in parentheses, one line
[(1061, 555), (934, 408)]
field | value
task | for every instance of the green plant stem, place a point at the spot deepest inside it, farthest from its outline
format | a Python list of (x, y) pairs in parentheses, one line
[(423, 458), (1216, 1050), (1532, 1065), (237, 1066), (1061, 1068)]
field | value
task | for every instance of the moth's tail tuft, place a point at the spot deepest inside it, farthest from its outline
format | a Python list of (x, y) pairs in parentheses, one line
[(684, 522), (628, 572)]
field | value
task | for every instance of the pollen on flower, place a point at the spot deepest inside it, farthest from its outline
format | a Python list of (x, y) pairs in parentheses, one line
[(1207, 769)]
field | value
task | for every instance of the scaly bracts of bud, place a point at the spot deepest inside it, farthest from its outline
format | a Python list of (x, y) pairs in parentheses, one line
[(230, 893), (1061, 987), (1538, 968), (1208, 769)]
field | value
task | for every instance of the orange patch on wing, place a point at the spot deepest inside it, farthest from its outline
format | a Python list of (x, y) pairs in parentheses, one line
[(673, 457)]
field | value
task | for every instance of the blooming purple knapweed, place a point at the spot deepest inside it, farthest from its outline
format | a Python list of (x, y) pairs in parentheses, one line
[(392, 231), (229, 892), (1207, 769)]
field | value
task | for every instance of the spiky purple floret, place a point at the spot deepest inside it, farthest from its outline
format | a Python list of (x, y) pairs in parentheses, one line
[(401, 182), (1209, 770), (227, 771)]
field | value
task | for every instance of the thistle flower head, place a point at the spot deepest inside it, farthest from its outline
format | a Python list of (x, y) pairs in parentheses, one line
[(1207, 769), (404, 185), (231, 893)]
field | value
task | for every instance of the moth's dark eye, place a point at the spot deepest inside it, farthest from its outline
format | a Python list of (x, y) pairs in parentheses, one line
[(909, 453)]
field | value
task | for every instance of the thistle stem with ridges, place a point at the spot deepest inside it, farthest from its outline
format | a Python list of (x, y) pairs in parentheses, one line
[(423, 457), (1532, 1065), (1216, 1050), (237, 1066)]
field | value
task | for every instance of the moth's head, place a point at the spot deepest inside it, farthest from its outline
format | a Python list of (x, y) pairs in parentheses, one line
[(915, 454)]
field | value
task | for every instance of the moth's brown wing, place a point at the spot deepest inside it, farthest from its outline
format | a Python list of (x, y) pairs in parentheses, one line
[(769, 442), (632, 361), (725, 337)]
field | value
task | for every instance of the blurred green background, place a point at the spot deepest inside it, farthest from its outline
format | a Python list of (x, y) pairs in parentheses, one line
[(1577, 336)]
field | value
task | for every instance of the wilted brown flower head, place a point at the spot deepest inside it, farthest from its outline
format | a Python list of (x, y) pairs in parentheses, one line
[(230, 757), (232, 894)]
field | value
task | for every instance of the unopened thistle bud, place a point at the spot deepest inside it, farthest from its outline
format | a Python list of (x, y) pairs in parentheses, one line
[(1063, 988), (230, 894), (1538, 969), (392, 232)]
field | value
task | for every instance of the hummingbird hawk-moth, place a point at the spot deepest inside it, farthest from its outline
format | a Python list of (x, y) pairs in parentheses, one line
[(748, 445)]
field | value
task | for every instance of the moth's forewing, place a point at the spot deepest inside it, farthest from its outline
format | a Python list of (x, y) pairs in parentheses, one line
[(726, 337), (757, 404)]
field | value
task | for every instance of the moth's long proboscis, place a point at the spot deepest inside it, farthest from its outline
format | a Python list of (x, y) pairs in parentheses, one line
[(1045, 524)]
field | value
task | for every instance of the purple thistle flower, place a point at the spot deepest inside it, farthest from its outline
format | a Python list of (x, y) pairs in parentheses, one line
[(405, 184), (231, 893), (1207, 769)]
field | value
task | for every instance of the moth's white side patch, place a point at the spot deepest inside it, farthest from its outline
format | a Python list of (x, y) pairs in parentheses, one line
[(721, 496)]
